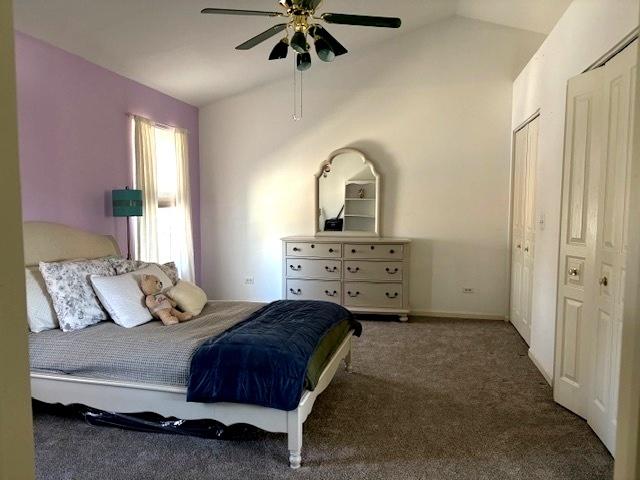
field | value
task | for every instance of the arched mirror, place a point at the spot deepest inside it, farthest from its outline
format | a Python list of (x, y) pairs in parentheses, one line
[(347, 195)]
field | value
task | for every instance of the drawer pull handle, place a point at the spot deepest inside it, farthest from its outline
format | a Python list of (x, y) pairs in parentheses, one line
[(295, 292), (604, 281), (392, 251), (295, 269), (353, 250), (331, 269), (313, 246), (391, 272), (296, 249), (518, 246), (526, 249), (373, 247), (574, 272), (331, 250), (388, 295), (329, 294), (353, 295), (353, 270)]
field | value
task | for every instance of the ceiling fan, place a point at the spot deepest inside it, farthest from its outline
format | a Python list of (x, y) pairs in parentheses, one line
[(302, 24)]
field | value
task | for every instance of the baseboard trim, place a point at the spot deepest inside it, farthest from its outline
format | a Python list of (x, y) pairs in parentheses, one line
[(460, 315), (536, 362)]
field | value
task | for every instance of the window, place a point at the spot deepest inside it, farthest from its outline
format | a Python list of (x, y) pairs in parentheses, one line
[(166, 171), (162, 173)]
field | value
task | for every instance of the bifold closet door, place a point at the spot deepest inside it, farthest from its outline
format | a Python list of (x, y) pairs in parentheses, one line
[(523, 227), (594, 242), (517, 232), (611, 244), (583, 147)]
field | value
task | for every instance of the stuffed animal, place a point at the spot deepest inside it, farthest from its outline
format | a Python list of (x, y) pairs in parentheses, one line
[(159, 304)]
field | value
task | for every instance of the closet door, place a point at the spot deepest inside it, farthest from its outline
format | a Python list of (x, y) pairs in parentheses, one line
[(518, 232), (611, 246), (529, 243), (574, 330)]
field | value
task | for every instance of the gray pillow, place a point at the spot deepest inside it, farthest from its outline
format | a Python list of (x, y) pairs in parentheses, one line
[(122, 266), (69, 286)]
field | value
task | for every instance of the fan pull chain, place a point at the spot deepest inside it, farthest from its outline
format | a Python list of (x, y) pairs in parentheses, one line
[(297, 92)]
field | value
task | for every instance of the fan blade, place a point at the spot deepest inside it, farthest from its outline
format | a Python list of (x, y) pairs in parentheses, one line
[(229, 11), (336, 46), (258, 39), (362, 20)]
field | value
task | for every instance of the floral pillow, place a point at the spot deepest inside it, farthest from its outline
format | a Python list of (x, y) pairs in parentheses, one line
[(69, 286), (122, 266)]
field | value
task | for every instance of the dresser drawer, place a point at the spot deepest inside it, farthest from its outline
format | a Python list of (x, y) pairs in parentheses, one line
[(375, 271), (375, 295), (308, 268), (373, 251), (313, 290), (309, 249)]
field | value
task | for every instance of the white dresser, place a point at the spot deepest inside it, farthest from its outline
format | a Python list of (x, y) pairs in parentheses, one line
[(365, 275)]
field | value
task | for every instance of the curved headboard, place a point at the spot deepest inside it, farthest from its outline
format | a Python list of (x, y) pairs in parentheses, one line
[(51, 242)]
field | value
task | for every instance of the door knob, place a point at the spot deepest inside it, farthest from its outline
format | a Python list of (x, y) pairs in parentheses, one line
[(573, 272), (518, 246), (526, 249), (604, 281)]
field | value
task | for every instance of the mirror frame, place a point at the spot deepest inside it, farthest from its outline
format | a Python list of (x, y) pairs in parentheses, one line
[(316, 215)]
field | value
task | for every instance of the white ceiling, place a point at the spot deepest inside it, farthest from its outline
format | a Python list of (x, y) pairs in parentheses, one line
[(168, 45)]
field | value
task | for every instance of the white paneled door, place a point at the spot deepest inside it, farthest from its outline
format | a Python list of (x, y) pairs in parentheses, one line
[(611, 244), (523, 227), (583, 145), (593, 243)]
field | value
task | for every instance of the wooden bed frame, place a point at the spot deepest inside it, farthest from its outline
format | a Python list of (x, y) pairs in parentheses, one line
[(53, 242)]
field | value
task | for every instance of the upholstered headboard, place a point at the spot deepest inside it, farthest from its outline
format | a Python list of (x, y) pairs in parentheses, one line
[(50, 242)]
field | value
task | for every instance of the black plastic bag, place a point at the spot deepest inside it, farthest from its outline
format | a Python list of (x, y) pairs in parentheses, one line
[(151, 422)]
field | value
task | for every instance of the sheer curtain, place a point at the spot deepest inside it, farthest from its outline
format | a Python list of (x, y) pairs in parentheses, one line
[(168, 146), (184, 253), (146, 180)]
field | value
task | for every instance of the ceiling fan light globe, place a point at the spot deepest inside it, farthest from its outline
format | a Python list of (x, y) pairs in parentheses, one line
[(299, 42), (280, 51), (324, 50), (303, 61)]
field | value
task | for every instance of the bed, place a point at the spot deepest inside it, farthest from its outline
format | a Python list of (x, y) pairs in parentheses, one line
[(156, 371)]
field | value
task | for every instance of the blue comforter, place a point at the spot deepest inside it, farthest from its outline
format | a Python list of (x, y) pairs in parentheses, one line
[(263, 360)]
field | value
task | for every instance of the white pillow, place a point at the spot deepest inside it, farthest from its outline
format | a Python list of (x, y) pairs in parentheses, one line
[(122, 297), (189, 297), (40, 313)]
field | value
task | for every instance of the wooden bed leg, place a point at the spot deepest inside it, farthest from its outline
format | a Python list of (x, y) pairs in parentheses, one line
[(294, 433), (347, 359)]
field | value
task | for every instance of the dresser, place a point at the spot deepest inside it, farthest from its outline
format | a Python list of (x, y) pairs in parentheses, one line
[(365, 275)]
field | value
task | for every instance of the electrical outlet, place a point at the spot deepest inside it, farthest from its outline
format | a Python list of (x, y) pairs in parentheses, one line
[(249, 281), (468, 290)]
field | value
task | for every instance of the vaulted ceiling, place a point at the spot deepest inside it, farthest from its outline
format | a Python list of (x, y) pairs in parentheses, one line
[(168, 45)]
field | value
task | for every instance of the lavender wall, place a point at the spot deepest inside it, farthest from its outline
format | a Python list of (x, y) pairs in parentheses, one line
[(75, 137)]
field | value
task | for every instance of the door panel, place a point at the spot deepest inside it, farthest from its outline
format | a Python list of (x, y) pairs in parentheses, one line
[(619, 77), (569, 362), (523, 227), (574, 328)]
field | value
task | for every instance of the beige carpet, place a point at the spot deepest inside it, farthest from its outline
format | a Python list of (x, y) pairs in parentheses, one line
[(436, 399)]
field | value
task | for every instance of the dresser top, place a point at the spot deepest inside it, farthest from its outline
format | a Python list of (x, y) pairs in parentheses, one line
[(346, 239)]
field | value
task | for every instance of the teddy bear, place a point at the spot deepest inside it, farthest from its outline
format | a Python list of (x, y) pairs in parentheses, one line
[(161, 306)]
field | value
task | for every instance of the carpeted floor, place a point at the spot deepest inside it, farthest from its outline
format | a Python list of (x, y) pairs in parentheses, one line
[(432, 399)]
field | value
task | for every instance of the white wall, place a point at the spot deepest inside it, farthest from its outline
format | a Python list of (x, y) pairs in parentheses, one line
[(587, 30), (431, 108)]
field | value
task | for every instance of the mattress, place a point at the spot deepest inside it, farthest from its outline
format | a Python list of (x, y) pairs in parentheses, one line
[(151, 353)]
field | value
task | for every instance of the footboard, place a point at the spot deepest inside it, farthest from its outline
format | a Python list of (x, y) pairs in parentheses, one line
[(129, 397)]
